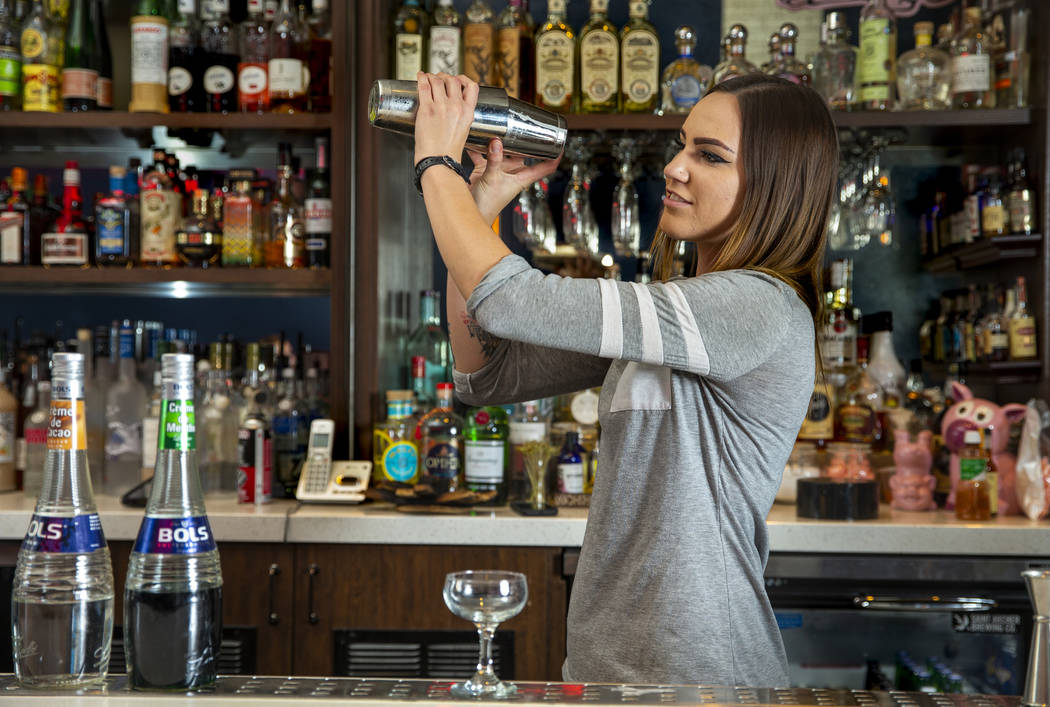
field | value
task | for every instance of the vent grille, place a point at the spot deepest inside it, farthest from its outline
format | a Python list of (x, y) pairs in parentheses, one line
[(449, 655), (236, 655)]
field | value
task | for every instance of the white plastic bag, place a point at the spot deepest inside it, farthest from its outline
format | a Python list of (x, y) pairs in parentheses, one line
[(1033, 484)]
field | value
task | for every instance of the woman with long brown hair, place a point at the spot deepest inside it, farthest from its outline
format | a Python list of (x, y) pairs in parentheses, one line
[(705, 379)]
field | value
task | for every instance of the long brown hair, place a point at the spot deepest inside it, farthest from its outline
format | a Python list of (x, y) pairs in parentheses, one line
[(790, 151)]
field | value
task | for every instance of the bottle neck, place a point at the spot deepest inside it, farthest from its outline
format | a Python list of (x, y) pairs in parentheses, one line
[(882, 346), (685, 50), (176, 482), (428, 313), (67, 482)]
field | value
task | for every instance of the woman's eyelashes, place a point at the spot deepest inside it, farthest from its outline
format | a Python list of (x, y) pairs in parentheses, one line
[(711, 157)]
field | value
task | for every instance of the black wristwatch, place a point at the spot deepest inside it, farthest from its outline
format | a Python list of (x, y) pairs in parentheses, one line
[(428, 162)]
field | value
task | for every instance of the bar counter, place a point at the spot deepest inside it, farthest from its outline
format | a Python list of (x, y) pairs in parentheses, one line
[(895, 532)]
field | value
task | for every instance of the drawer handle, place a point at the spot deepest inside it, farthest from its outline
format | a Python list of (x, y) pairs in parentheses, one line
[(311, 615), (931, 604), (275, 570)]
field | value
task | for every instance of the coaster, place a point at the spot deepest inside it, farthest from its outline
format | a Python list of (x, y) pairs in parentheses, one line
[(525, 508)]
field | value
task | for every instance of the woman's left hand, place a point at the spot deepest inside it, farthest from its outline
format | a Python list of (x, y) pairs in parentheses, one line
[(444, 116)]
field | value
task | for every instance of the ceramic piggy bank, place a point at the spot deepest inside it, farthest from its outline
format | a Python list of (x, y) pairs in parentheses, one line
[(912, 483), (971, 413)]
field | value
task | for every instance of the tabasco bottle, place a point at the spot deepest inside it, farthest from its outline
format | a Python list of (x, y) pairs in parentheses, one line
[(149, 58)]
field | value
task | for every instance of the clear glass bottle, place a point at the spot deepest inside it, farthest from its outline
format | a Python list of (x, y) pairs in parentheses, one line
[(186, 61), (441, 449), (685, 79), (411, 27), (736, 63), (479, 43), (255, 451), (774, 53), (626, 222), (217, 427), (924, 79), (198, 242), (125, 407), (515, 68), (556, 61), (971, 64), (836, 64), (884, 366), (289, 427), (486, 452), (395, 454), (838, 336), (286, 247), (253, 94), (529, 423), (445, 48), (858, 403), (876, 62), (34, 430), (62, 595), (151, 424), (288, 45), (639, 61), (787, 66), (1023, 345), (173, 592), (429, 341), (8, 437)]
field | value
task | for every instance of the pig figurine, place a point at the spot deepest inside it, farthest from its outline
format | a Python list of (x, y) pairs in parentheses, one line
[(912, 483), (970, 413)]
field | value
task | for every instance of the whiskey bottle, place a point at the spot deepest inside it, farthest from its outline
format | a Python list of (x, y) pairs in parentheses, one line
[(185, 87), (149, 58), (556, 61), (66, 243), (971, 64), (876, 61), (515, 68), (10, 58), (838, 336), (1022, 327), (859, 400), (640, 61), (80, 69), (736, 63), (685, 79), (445, 46), (220, 45), (286, 75), (253, 94), (479, 43), (41, 60), (285, 248), (599, 62), (411, 27), (198, 241), (836, 64), (319, 30), (924, 74)]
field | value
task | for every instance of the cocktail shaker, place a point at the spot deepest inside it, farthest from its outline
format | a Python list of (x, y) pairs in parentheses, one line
[(1037, 683), (525, 130)]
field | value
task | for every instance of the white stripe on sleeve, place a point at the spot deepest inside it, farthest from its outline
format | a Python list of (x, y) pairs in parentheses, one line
[(652, 339), (696, 351), (612, 320)]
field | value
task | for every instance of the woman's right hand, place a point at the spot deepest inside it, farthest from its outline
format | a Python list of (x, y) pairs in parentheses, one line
[(498, 179)]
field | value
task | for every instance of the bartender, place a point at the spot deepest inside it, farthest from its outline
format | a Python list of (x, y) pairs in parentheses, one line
[(705, 379)]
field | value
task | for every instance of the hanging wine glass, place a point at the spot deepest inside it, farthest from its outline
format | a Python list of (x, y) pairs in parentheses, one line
[(878, 211), (578, 223), (626, 228), (856, 189), (524, 217), (544, 234)]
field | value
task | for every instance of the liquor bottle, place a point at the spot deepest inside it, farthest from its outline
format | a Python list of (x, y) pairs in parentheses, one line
[(288, 40), (683, 81), (993, 208), (81, 68), (220, 45), (774, 52), (198, 240), (252, 384), (639, 61), (924, 79), (15, 221), (787, 65), (556, 61), (515, 69), (411, 27), (445, 49), (218, 425), (319, 30), (8, 440), (62, 597), (571, 461), (104, 97), (441, 446), (10, 58), (318, 211), (736, 63), (41, 61), (836, 64), (1019, 202), (42, 214), (395, 454), (59, 11), (186, 61), (486, 452), (838, 335), (255, 452), (479, 43), (34, 431), (876, 61), (161, 212), (599, 62), (125, 405), (972, 492), (113, 223), (859, 400), (253, 94), (173, 628), (134, 203), (527, 424), (242, 242), (289, 436), (884, 367), (149, 58), (285, 247), (428, 340), (971, 64), (66, 242), (1022, 327)]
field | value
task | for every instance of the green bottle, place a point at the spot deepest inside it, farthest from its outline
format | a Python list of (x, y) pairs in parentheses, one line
[(81, 69), (486, 452), (10, 58)]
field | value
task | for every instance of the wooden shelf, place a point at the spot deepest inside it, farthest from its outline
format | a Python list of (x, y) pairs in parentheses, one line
[(986, 252), (999, 373), (167, 282), (204, 121)]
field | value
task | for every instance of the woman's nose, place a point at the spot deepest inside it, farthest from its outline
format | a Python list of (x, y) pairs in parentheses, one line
[(675, 171)]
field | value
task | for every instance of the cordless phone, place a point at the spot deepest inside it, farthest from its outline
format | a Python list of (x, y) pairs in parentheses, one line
[(325, 481)]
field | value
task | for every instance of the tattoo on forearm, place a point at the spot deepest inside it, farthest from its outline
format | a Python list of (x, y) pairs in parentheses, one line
[(488, 342)]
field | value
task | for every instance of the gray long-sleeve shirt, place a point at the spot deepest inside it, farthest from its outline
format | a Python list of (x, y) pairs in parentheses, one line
[(705, 382)]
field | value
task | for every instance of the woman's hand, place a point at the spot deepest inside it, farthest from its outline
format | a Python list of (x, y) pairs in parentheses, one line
[(446, 110), (498, 179)]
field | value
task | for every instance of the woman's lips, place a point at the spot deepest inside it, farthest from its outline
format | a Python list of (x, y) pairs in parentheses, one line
[(672, 199)]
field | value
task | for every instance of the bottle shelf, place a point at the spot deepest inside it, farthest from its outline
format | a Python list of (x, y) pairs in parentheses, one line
[(997, 372), (166, 282), (203, 121), (986, 252)]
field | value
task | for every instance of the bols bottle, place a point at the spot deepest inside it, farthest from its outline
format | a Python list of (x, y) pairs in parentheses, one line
[(62, 600), (173, 592)]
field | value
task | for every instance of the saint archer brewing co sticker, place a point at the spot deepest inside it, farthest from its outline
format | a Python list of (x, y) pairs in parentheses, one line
[(981, 622), (175, 536), (65, 428), (81, 533)]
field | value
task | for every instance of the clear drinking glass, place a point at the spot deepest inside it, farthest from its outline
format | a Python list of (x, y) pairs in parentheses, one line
[(578, 223), (486, 598)]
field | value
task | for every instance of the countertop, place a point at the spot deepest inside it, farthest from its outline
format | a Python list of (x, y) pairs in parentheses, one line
[(894, 532)]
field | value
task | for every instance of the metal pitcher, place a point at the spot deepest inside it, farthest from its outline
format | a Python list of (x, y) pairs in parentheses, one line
[(1037, 683), (525, 130)]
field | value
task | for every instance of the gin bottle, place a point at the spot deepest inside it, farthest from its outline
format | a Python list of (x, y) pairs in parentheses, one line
[(173, 592), (486, 451), (684, 80), (924, 78), (411, 26), (445, 46), (599, 62), (62, 597), (736, 63), (479, 43), (556, 61), (876, 62), (125, 406), (639, 61), (441, 450), (971, 64)]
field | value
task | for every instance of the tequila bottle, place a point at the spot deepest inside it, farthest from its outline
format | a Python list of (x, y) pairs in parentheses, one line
[(683, 81), (639, 61), (836, 64), (446, 40), (736, 63), (486, 451), (876, 62), (515, 70), (411, 26), (774, 53), (599, 62), (971, 65), (556, 61), (787, 65), (479, 43), (924, 73), (125, 406)]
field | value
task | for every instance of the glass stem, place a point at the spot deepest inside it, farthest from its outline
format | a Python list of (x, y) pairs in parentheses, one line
[(485, 673)]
